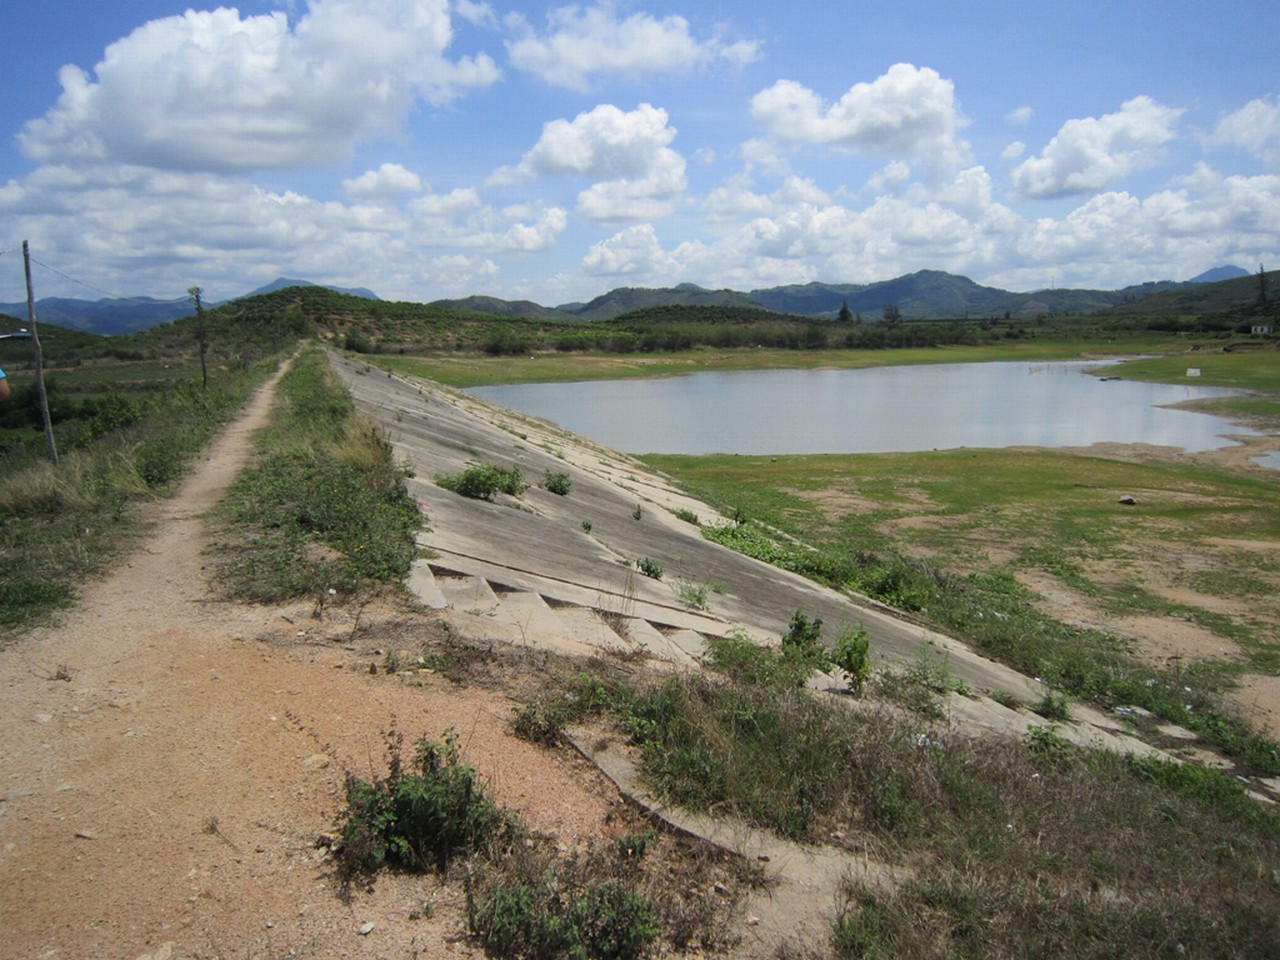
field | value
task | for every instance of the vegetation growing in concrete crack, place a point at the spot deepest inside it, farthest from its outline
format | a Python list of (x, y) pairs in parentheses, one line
[(692, 594), (324, 506), (483, 480), (650, 568), (557, 483)]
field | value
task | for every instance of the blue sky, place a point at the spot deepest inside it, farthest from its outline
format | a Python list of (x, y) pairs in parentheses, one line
[(439, 148)]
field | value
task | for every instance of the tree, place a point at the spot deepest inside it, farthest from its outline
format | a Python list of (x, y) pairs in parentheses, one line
[(1262, 286), (194, 294), (845, 314), (892, 313)]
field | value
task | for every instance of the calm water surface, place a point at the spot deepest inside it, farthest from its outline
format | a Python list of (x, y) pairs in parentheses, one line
[(878, 410)]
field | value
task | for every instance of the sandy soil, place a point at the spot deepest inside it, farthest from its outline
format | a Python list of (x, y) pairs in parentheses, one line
[(168, 760)]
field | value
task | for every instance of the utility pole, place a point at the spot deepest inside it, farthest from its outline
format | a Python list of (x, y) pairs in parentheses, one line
[(195, 295), (35, 349)]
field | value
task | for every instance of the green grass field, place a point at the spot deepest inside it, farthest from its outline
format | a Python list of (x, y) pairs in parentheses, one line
[(470, 370)]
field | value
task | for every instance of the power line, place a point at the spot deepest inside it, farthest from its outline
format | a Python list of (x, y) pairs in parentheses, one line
[(108, 293)]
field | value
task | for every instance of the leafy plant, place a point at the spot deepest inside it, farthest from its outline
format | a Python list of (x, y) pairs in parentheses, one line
[(535, 909), (1048, 745), (694, 594), (557, 483), (482, 481), (803, 640), (650, 568), (422, 818), (852, 655)]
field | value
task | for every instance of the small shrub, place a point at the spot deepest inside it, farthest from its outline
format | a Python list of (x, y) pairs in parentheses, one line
[(637, 513), (482, 481), (1005, 699), (743, 660), (688, 516), (557, 483), (1053, 706), (650, 568), (852, 655), (540, 910), (694, 594), (422, 818), (586, 526), (803, 641), (1048, 745), (541, 721)]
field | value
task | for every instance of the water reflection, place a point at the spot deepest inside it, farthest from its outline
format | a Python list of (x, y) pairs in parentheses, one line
[(871, 411)]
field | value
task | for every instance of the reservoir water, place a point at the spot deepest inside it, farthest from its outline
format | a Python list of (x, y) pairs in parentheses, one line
[(878, 410)]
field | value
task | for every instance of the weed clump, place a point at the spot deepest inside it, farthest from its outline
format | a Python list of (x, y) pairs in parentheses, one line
[(539, 908), (482, 481), (557, 483), (650, 568), (422, 817)]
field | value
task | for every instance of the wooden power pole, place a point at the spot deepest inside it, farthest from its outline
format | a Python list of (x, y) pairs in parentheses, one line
[(35, 349)]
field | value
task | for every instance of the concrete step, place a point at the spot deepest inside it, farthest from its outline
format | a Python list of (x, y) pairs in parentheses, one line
[(688, 641), (586, 626), (657, 644), (422, 584), (539, 625), (468, 594)]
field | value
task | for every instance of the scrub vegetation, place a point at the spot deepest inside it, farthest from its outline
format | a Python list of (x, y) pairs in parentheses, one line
[(955, 537), (1009, 848)]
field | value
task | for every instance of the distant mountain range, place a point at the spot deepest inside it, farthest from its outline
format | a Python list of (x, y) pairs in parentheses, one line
[(116, 317), (924, 295)]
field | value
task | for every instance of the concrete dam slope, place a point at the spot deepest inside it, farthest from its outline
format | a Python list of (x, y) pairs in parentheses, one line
[(559, 572)]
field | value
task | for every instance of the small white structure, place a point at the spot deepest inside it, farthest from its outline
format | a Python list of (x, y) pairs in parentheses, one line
[(1193, 371), (1263, 329)]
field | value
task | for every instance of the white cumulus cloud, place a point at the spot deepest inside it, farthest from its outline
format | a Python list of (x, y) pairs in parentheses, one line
[(628, 154), (388, 182), (1092, 153), (1255, 127), (582, 43), (633, 251), (213, 91), (907, 111)]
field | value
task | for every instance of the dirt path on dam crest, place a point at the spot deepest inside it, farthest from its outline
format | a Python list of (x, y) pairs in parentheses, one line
[(168, 761)]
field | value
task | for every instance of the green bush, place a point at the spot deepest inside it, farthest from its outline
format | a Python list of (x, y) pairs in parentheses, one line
[(482, 481), (557, 483), (584, 908), (650, 568), (852, 655), (422, 818)]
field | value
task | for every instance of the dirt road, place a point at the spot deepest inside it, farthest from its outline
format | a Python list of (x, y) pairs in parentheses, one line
[(164, 799)]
